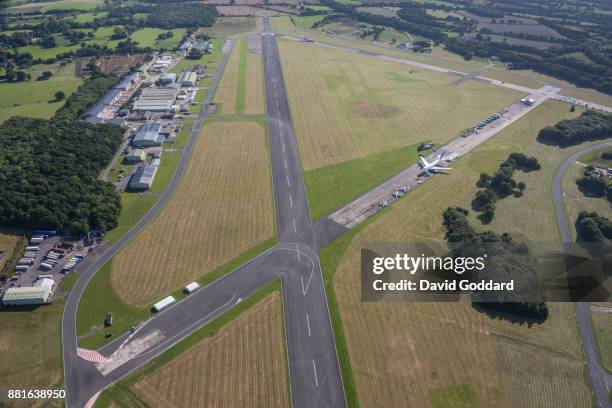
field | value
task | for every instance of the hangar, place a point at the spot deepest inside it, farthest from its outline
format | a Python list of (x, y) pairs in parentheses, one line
[(148, 135)]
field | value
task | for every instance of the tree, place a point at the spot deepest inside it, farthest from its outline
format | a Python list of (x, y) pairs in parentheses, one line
[(21, 76), (60, 95), (9, 73), (521, 186), (44, 76)]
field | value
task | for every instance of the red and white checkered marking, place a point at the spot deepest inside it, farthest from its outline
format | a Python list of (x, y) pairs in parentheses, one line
[(91, 355), (92, 400)]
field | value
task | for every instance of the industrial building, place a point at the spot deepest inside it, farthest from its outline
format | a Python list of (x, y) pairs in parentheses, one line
[(143, 177), (148, 135), (167, 78), (187, 78), (29, 295), (135, 156), (156, 100)]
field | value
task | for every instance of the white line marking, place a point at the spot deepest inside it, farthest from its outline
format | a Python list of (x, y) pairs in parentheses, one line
[(314, 368), (297, 246), (305, 289), (289, 184), (308, 324), (294, 229), (277, 112), (285, 163), (283, 147), (290, 201)]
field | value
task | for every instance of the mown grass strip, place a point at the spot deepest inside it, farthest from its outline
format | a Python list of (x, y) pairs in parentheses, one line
[(242, 79), (331, 187)]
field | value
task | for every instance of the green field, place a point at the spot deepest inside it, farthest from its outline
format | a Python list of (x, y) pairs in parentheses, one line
[(56, 5), (414, 361), (230, 26), (331, 187), (36, 98), (147, 37), (133, 208), (30, 342), (574, 200), (165, 172), (602, 324)]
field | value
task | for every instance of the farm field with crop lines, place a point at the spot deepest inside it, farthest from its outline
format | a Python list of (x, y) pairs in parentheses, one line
[(222, 207), (241, 88), (602, 324), (242, 365), (356, 106), (412, 354)]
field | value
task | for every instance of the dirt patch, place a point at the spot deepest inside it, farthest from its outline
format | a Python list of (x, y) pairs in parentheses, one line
[(110, 64), (235, 11), (368, 109)]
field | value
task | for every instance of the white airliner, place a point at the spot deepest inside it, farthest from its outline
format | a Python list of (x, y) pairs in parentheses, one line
[(432, 167)]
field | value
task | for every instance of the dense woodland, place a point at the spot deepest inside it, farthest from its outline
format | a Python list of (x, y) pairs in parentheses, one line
[(590, 125), (49, 168), (506, 260)]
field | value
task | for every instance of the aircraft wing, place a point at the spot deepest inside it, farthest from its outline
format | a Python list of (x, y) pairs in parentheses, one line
[(440, 168), (425, 164)]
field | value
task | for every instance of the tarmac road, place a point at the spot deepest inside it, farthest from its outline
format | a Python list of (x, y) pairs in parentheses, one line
[(313, 362), (77, 372), (599, 380)]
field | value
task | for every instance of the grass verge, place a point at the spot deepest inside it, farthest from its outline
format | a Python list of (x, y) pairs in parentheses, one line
[(242, 78), (133, 208), (331, 187)]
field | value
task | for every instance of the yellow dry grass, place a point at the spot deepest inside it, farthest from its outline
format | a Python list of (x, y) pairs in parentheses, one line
[(408, 105), (8, 241), (400, 352), (222, 207), (30, 348), (254, 98), (225, 96), (241, 366)]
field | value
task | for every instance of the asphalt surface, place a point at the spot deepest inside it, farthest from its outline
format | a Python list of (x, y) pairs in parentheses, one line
[(599, 380), (313, 362), (77, 372)]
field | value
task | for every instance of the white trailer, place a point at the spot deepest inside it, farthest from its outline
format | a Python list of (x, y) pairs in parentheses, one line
[(46, 265), (36, 240), (22, 268), (192, 287), (32, 248), (25, 261), (164, 303)]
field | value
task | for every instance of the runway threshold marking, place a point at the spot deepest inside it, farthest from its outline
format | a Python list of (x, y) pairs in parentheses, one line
[(308, 324), (314, 368)]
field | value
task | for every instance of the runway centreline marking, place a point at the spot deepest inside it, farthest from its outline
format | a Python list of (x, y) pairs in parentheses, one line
[(294, 229), (314, 368), (290, 201), (288, 184), (285, 163), (308, 324)]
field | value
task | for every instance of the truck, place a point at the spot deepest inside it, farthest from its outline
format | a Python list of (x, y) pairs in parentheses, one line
[(36, 240), (46, 265)]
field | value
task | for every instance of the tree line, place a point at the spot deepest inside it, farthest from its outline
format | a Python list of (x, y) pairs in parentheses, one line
[(49, 168), (590, 125), (506, 260)]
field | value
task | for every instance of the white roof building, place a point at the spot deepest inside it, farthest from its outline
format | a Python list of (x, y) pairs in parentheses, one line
[(187, 78), (29, 295)]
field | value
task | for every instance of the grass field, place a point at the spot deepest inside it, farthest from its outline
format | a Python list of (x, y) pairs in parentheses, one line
[(222, 208), (574, 200), (331, 187), (55, 5), (36, 98), (8, 242), (356, 106), (203, 376), (133, 208), (147, 37), (241, 88), (257, 377), (414, 354), (230, 26), (602, 324), (30, 347)]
